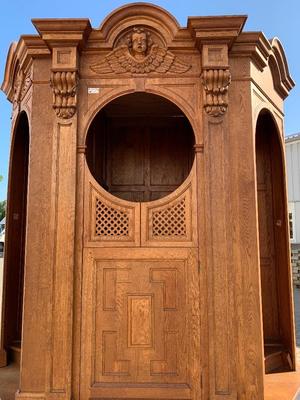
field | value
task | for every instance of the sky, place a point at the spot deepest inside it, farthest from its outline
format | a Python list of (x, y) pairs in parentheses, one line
[(273, 17)]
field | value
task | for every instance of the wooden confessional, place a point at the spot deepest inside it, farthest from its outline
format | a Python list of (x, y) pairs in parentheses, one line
[(147, 253)]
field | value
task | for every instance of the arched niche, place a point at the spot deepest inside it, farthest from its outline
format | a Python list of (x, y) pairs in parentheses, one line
[(273, 247), (140, 147), (15, 238)]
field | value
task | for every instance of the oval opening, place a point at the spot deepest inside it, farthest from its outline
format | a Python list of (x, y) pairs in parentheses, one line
[(140, 147)]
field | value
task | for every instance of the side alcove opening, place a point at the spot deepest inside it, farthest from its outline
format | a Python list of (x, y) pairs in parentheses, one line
[(273, 245), (15, 237), (140, 147)]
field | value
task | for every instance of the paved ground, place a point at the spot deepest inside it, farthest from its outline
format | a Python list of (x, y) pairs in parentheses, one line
[(297, 314), (1, 284), (9, 378), (297, 320)]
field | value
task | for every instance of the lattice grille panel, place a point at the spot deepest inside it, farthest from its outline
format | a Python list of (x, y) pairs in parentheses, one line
[(170, 222), (111, 222)]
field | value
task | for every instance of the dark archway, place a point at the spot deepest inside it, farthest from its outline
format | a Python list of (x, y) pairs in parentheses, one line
[(273, 244), (140, 147), (15, 240)]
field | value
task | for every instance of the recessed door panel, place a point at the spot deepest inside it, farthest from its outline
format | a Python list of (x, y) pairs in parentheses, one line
[(138, 313)]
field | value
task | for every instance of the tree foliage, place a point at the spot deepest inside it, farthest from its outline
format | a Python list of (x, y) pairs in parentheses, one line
[(2, 205), (2, 209)]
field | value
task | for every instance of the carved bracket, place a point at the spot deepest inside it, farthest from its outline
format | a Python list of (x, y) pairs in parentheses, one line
[(216, 83), (64, 85)]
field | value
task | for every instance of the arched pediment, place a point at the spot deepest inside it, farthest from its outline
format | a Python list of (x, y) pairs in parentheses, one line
[(282, 80), (10, 71), (145, 14)]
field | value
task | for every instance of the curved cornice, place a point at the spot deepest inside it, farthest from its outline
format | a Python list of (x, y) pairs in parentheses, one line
[(263, 53), (117, 20), (282, 79), (199, 32), (19, 57), (9, 69)]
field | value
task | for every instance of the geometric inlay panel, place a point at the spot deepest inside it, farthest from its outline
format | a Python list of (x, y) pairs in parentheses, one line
[(140, 330)]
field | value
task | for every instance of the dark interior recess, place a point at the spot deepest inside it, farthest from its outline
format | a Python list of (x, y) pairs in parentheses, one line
[(15, 238), (273, 243), (140, 147)]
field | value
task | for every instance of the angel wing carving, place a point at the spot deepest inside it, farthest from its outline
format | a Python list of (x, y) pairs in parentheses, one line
[(121, 61)]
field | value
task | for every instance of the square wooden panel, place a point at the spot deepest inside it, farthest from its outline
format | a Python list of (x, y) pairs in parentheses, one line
[(214, 56), (64, 57)]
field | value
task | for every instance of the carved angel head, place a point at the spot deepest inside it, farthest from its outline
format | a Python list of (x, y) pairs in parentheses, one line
[(139, 42)]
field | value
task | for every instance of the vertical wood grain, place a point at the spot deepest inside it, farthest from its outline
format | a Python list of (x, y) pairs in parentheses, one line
[(218, 264), (78, 257), (37, 294), (249, 327), (63, 256)]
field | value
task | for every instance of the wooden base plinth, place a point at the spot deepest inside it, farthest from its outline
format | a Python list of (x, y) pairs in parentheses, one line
[(30, 396), (3, 358)]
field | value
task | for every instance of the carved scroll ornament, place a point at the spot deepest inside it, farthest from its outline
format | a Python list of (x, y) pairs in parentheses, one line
[(21, 85), (139, 56), (216, 83), (64, 84)]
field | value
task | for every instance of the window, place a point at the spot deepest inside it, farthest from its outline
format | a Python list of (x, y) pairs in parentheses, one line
[(292, 222), (291, 226)]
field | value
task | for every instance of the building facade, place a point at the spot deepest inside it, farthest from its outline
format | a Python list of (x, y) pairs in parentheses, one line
[(292, 150)]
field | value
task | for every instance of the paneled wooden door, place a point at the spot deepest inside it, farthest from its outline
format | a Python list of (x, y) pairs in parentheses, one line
[(140, 335)]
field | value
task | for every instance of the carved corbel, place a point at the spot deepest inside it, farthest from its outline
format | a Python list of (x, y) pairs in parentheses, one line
[(64, 86), (215, 78), (216, 83)]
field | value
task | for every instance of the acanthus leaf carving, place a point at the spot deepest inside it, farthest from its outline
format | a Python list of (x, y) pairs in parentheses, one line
[(22, 83), (139, 56), (64, 85), (216, 83)]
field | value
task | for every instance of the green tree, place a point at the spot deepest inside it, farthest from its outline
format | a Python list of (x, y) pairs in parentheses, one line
[(2, 209)]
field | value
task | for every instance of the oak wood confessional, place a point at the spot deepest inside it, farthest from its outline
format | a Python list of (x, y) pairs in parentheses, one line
[(147, 252)]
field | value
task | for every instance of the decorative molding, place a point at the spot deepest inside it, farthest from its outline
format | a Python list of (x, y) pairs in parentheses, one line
[(140, 55), (21, 85), (199, 148), (216, 83), (64, 84), (278, 65), (81, 149), (17, 88)]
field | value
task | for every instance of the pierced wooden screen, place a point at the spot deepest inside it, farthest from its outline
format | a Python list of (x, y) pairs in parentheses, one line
[(111, 222), (170, 222)]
